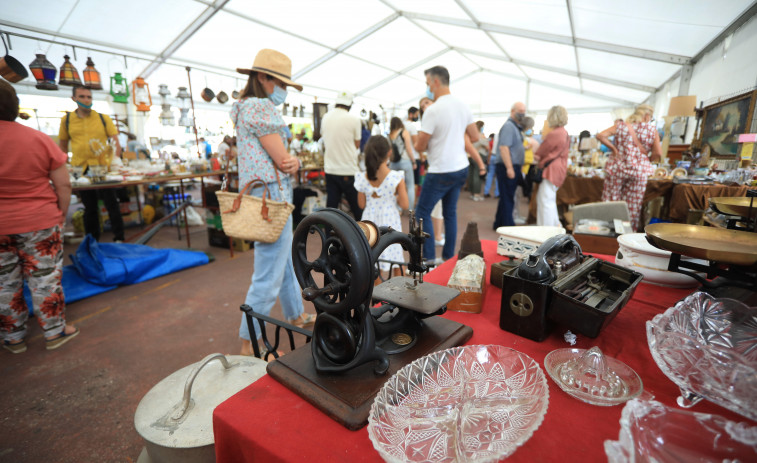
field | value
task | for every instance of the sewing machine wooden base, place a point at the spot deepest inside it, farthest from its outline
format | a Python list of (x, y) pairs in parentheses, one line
[(347, 397)]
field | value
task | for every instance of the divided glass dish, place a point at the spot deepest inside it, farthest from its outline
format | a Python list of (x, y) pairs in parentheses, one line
[(470, 403)]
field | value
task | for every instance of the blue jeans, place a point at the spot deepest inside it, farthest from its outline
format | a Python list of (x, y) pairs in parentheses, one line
[(446, 187), (407, 167), (506, 204), (490, 184), (273, 273)]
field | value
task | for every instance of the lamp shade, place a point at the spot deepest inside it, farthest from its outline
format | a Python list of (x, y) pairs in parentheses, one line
[(92, 76), (44, 71), (68, 73), (682, 106)]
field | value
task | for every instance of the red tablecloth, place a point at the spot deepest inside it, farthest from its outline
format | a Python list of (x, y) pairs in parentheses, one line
[(267, 422)]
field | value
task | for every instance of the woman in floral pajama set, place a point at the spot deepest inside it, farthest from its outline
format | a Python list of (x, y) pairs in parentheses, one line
[(31, 214), (629, 167)]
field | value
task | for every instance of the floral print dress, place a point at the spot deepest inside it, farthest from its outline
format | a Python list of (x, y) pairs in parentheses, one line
[(381, 209)]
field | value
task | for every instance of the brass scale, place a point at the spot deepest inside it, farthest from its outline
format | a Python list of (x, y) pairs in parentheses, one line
[(731, 252)]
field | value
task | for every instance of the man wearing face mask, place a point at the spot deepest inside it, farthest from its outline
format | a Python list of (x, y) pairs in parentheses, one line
[(80, 127), (442, 137), (341, 132), (509, 163)]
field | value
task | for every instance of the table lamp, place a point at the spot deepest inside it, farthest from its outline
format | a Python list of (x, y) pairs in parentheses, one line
[(680, 107)]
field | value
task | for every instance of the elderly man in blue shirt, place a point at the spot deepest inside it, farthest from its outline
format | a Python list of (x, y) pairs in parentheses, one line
[(511, 154)]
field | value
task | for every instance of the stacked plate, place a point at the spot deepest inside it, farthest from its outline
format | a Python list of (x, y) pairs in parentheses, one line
[(637, 254)]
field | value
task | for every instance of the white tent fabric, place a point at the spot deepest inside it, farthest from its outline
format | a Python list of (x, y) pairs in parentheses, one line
[(587, 55)]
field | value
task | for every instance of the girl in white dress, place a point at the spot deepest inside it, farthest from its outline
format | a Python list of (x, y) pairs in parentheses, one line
[(380, 191)]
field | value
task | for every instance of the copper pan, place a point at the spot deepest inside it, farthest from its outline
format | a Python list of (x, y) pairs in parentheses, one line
[(738, 206), (715, 244)]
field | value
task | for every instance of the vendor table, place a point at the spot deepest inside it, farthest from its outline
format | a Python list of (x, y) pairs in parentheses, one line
[(679, 197), (156, 179), (268, 422)]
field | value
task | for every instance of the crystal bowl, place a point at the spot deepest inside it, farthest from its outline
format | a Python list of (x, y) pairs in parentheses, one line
[(650, 431), (708, 348), (471, 403)]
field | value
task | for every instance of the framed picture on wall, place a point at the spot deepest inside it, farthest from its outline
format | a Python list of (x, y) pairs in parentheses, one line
[(724, 121)]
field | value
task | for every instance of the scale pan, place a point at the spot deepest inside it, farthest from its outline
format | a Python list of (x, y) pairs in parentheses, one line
[(729, 205), (716, 244)]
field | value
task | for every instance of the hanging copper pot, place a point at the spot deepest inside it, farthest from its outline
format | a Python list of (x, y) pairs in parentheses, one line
[(10, 68), (207, 94), (222, 97)]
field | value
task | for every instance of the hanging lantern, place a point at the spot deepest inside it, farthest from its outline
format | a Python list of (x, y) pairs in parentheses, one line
[(140, 93), (44, 71), (184, 97), (92, 76), (166, 115), (119, 88), (68, 73)]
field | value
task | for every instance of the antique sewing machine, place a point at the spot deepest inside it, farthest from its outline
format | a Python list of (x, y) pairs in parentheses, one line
[(362, 333)]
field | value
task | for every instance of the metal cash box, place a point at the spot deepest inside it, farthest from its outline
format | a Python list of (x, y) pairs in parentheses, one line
[(558, 284)]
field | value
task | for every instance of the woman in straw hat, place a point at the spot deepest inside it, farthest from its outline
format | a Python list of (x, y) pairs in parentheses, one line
[(261, 132)]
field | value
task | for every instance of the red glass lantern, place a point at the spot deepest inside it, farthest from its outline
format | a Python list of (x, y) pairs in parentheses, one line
[(68, 73), (140, 94), (92, 76), (44, 71)]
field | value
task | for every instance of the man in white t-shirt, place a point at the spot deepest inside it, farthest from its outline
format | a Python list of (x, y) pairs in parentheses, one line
[(341, 140), (442, 138)]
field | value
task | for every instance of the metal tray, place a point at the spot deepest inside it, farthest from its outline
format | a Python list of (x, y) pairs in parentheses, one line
[(715, 244), (738, 206)]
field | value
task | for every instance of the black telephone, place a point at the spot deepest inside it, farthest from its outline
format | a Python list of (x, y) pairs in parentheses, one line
[(556, 255)]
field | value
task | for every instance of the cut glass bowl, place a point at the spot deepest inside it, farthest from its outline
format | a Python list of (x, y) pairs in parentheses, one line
[(708, 348), (592, 377), (471, 403), (650, 431)]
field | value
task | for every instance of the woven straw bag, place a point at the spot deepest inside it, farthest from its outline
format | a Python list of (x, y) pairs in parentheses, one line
[(252, 218)]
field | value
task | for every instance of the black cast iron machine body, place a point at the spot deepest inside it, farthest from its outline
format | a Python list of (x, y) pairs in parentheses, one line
[(349, 331)]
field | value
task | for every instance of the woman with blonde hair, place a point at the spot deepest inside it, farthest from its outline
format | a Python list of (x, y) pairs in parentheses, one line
[(552, 156), (263, 155), (629, 167)]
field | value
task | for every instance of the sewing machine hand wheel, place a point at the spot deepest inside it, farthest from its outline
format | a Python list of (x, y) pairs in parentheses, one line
[(344, 261)]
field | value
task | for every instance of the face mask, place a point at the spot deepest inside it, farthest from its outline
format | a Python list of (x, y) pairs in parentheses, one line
[(429, 93), (85, 106), (414, 119), (520, 116), (529, 132), (278, 96)]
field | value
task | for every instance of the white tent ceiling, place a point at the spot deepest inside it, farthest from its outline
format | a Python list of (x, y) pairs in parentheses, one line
[(588, 55)]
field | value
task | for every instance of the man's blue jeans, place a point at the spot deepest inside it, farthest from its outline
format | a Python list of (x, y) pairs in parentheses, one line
[(507, 187), (273, 275), (446, 187)]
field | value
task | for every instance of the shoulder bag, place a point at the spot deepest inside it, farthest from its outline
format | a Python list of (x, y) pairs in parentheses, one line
[(252, 218)]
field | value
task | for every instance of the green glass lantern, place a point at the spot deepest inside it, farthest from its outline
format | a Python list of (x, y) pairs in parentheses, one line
[(119, 88)]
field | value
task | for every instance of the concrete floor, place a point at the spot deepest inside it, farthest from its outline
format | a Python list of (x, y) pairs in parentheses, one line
[(78, 403)]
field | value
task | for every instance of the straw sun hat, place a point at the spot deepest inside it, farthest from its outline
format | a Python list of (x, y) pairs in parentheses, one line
[(274, 64)]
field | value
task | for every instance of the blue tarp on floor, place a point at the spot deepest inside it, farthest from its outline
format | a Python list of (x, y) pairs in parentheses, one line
[(99, 267)]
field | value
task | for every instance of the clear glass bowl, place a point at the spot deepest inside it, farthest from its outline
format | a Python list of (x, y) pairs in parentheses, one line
[(650, 431), (471, 403), (708, 348)]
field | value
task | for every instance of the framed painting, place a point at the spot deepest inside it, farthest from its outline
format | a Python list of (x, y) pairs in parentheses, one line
[(724, 121)]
